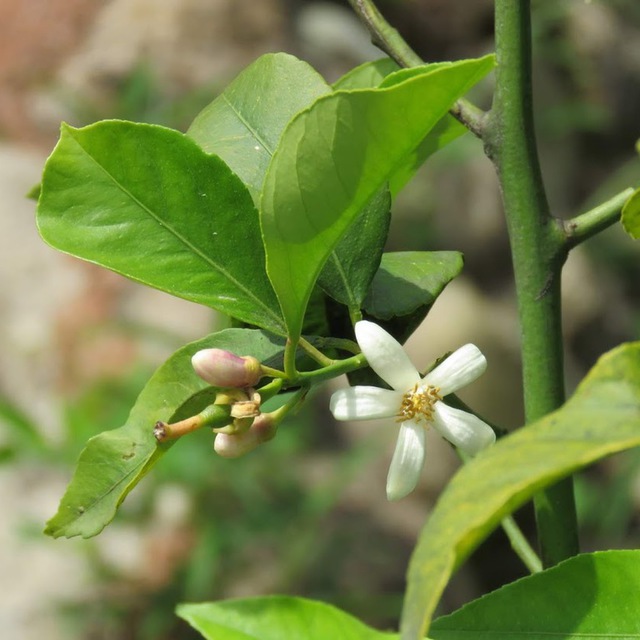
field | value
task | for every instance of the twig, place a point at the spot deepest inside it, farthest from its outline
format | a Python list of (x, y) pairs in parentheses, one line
[(587, 224), (387, 39)]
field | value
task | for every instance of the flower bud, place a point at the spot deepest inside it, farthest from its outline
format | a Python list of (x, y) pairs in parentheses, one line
[(222, 368), (238, 444)]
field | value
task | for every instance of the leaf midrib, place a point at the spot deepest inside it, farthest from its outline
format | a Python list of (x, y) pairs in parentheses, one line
[(252, 130), (205, 258)]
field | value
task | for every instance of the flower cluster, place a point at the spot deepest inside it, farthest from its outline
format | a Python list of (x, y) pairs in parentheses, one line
[(415, 401), (238, 374)]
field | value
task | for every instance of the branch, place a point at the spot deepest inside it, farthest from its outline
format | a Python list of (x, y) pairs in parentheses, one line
[(384, 36), (470, 116), (538, 252), (388, 40), (586, 225)]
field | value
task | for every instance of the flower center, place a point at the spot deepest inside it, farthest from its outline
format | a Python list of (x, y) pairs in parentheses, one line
[(418, 403)]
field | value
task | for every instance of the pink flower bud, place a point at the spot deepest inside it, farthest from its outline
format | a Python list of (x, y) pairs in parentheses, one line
[(238, 444), (222, 368)]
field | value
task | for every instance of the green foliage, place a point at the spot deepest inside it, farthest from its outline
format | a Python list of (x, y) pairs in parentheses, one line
[(275, 618), (348, 273), (367, 75), (244, 130), (600, 419), (589, 596), (147, 202), (445, 131), (381, 73), (407, 281), (115, 461), (631, 215), (274, 209), (328, 165)]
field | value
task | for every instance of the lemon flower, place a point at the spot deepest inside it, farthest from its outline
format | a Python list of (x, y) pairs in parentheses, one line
[(415, 401)]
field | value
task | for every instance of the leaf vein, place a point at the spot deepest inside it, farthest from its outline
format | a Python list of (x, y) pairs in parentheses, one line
[(254, 132), (215, 266)]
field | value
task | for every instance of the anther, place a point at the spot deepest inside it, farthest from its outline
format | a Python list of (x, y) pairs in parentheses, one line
[(418, 404)]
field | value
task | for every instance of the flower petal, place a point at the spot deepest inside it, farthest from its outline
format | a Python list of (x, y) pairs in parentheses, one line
[(364, 403), (386, 356), (464, 430), (462, 367), (408, 460)]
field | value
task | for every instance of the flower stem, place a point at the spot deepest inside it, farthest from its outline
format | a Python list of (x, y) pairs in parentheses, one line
[(292, 406), (387, 39), (213, 416), (519, 542), (270, 389), (538, 253), (521, 545), (272, 373), (336, 369), (587, 224)]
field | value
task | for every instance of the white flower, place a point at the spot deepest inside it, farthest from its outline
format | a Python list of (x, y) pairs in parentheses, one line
[(416, 403)]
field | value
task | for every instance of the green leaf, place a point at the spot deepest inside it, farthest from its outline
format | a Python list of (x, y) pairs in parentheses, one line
[(383, 73), (275, 618), (600, 419), (147, 202), (590, 596), (401, 75), (409, 280), (113, 462), (631, 215), (331, 160), (445, 131), (351, 266), (244, 123), (367, 75)]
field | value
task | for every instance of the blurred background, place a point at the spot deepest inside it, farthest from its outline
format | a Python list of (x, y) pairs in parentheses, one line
[(305, 514)]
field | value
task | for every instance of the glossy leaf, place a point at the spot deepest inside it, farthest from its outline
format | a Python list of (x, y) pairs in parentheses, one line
[(367, 75), (244, 123), (332, 158), (631, 215), (113, 462), (351, 266), (385, 72), (445, 131), (275, 618), (590, 596), (404, 74), (409, 280), (147, 202), (600, 419)]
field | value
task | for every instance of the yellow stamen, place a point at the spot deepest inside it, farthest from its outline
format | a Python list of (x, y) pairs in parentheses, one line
[(418, 403)]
